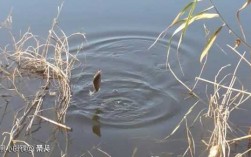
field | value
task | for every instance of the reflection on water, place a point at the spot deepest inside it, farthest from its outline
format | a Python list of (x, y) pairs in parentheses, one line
[(96, 123)]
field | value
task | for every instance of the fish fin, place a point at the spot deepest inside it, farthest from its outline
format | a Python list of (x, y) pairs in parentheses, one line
[(91, 92)]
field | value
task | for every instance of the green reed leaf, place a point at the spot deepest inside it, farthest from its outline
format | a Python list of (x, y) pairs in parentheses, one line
[(209, 43), (199, 16)]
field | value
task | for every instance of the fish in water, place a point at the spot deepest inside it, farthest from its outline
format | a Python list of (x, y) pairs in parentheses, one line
[(96, 82)]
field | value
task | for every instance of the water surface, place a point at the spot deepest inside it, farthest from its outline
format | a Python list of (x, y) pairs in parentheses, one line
[(139, 100)]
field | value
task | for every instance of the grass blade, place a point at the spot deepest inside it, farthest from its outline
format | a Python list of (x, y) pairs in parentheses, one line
[(189, 5), (199, 16), (209, 43)]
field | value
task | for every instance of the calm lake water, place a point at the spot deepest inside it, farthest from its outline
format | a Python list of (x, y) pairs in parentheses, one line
[(140, 101)]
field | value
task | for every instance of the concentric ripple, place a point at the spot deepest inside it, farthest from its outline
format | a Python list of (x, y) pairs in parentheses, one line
[(133, 88)]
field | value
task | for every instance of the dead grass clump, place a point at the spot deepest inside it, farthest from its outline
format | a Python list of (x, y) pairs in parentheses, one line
[(50, 62), (227, 93)]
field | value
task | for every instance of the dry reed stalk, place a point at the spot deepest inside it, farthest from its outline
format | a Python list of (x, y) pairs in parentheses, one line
[(105, 153), (190, 140), (249, 141), (223, 101), (51, 63)]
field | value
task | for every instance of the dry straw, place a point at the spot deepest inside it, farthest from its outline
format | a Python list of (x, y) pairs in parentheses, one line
[(50, 63), (227, 94)]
